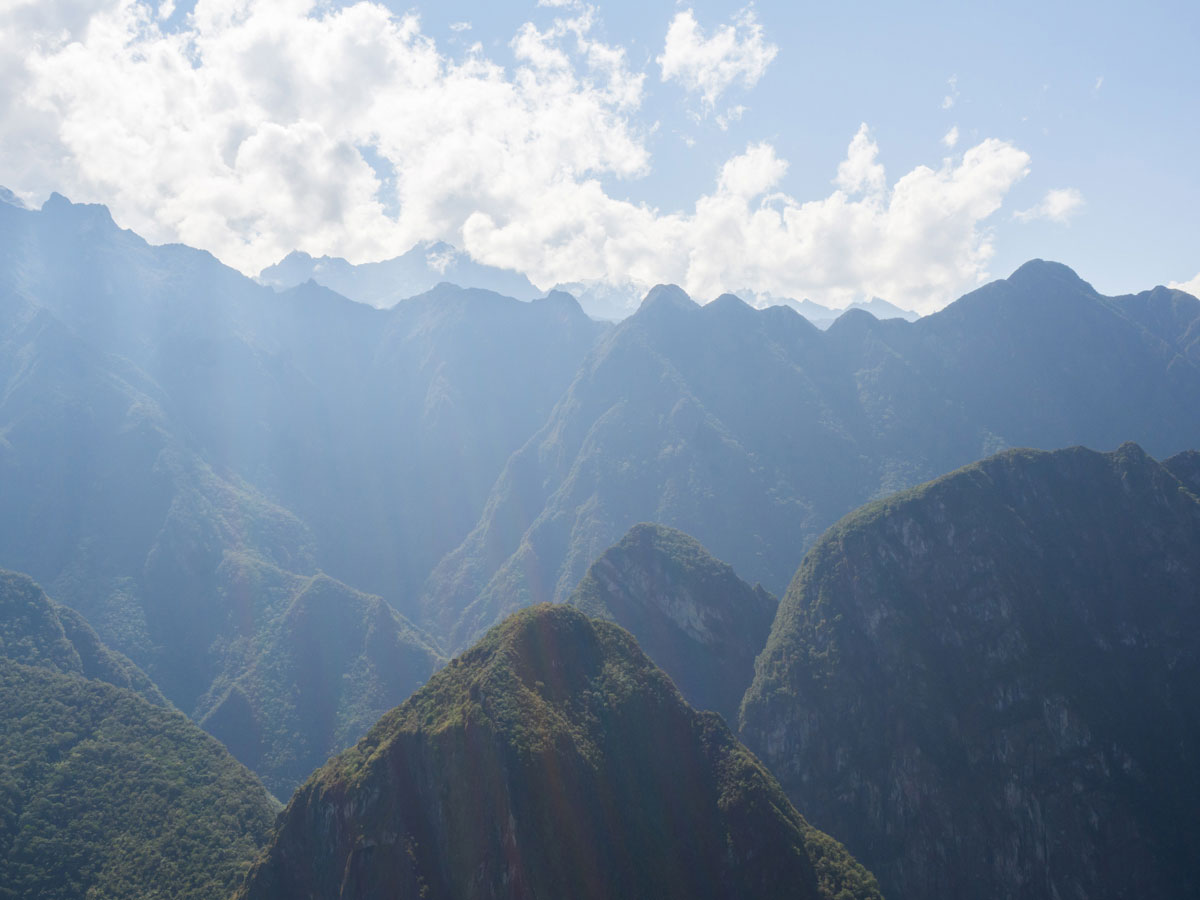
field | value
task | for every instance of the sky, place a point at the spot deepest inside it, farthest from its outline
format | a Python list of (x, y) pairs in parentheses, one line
[(835, 152)]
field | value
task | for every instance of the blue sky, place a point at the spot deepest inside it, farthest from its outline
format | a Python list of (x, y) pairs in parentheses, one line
[(713, 144)]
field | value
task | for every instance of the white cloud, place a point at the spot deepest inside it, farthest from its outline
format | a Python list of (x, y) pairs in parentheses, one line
[(951, 97), (1059, 205), (267, 126), (919, 243), (730, 116), (860, 171), (1192, 287), (950, 138), (710, 66), (1099, 84), (460, 26)]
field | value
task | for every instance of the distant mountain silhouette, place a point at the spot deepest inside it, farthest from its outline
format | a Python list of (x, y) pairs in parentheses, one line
[(384, 284)]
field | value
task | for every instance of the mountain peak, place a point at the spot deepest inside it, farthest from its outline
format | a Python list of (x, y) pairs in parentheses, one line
[(11, 199), (729, 304), (689, 611), (563, 724), (667, 296), (1040, 272), (87, 214)]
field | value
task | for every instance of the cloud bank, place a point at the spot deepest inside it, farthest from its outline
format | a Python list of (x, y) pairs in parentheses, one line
[(256, 128)]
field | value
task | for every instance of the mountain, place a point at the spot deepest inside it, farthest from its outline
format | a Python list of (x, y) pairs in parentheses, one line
[(754, 431), (690, 613), (824, 316), (989, 685), (164, 420), (332, 662), (7, 196), (603, 300), (384, 284), (105, 791), (551, 760), (36, 631), (103, 794)]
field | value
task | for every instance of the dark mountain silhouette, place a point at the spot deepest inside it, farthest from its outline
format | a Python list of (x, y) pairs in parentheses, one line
[(988, 685)]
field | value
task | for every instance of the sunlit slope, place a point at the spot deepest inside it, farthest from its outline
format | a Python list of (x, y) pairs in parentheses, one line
[(551, 760), (167, 423), (104, 790), (36, 631)]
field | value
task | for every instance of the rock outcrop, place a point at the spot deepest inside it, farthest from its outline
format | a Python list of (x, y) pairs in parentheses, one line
[(689, 611)]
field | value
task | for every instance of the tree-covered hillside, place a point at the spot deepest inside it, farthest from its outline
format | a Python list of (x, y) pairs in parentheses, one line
[(551, 760), (990, 685)]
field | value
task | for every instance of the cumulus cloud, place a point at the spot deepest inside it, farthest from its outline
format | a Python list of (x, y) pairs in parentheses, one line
[(950, 138), (709, 66), (1059, 205), (263, 126), (1192, 287)]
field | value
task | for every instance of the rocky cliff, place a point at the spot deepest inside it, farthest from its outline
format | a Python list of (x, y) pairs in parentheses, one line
[(689, 611), (989, 686)]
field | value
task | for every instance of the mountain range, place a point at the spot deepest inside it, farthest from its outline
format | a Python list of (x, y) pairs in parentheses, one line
[(384, 284), (282, 510), (753, 431)]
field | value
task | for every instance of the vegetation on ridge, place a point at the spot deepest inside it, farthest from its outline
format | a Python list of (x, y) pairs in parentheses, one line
[(553, 759)]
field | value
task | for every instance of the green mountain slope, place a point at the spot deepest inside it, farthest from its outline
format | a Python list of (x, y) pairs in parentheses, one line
[(551, 760), (330, 662), (36, 631), (103, 794), (105, 791), (989, 685), (690, 613), (753, 431)]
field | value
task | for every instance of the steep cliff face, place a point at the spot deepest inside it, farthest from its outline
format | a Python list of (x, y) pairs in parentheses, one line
[(551, 760), (990, 685), (689, 611)]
